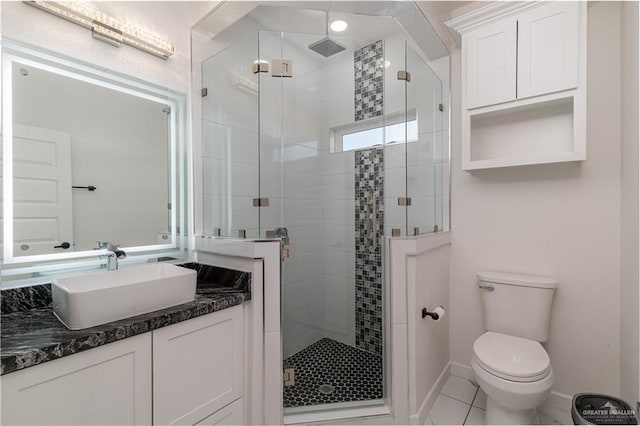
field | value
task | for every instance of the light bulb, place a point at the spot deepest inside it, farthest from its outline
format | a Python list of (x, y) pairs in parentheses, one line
[(338, 25)]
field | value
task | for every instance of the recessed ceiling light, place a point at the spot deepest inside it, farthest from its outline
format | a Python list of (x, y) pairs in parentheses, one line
[(338, 25)]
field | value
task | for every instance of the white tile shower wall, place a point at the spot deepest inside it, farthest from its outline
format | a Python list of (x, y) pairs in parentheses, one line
[(339, 246), (559, 220), (336, 95)]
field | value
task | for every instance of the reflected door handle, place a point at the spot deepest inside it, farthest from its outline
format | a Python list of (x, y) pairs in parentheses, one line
[(64, 245)]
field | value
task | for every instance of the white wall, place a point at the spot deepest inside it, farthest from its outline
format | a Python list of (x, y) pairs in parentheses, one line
[(169, 20), (430, 354), (559, 220), (629, 298), (418, 348)]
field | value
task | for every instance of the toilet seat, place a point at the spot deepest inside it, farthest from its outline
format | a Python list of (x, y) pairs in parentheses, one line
[(511, 358)]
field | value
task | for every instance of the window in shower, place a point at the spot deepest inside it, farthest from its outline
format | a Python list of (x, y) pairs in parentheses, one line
[(393, 128)]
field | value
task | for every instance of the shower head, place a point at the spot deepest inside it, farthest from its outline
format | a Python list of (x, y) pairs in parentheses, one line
[(326, 47)]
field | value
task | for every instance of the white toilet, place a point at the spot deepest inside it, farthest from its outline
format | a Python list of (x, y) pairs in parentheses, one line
[(509, 363)]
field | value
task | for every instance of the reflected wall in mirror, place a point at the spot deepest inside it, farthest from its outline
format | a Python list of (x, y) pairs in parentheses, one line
[(94, 157)]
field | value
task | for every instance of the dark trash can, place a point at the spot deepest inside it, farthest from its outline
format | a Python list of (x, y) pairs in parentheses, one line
[(597, 409)]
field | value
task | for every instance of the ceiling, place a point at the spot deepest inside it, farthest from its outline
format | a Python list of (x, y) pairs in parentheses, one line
[(368, 21)]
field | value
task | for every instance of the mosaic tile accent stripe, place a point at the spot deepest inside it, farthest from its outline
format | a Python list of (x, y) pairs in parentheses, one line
[(369, 81), (369, 184)]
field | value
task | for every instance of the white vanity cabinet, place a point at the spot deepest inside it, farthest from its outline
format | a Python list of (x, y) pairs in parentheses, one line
[(198, 369), (523, 76), (188, 373), (110, 384), (232, 414)]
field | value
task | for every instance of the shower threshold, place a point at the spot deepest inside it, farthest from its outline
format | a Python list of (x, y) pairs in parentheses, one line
[(332, 375), (375, 411)]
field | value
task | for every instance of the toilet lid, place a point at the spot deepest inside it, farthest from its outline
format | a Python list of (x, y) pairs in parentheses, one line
[(512, 358)]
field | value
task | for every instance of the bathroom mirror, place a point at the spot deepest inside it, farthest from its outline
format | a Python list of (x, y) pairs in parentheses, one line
[(87, 156)]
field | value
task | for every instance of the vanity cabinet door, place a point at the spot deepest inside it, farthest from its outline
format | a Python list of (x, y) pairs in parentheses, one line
[(110, 385), (490, 64), (548, 49), (231, 415), (197, 367)]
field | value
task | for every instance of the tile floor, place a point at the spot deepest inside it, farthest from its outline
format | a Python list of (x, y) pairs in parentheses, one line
[(462, 402), (352, 375)]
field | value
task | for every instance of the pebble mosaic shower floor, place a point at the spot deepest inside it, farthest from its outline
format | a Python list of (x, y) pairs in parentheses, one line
[(354, 374)]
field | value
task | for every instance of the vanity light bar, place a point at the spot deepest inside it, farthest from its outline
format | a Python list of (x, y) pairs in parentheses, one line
[(105, 27)]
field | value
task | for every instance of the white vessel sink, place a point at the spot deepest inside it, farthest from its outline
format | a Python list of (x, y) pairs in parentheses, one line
[(92, 299)]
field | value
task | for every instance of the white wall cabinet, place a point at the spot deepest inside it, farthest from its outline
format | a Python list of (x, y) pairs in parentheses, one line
[(197, 367), (548, 49), (523, 83), (531, 54), (491, 64), (110, 384)]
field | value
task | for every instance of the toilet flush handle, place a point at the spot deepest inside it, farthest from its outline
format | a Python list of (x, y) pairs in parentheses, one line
[(487, 287)]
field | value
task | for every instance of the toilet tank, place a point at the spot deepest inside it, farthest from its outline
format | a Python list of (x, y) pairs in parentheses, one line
[(519, 305)]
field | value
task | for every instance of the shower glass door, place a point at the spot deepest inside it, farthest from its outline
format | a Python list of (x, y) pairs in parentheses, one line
[(321, 173)]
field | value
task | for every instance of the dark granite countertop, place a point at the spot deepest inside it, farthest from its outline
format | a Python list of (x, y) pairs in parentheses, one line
[(34, 335)]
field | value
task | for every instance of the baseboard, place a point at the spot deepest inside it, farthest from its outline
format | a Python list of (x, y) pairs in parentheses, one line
[(463, 371), (558, 407), (420, 418)]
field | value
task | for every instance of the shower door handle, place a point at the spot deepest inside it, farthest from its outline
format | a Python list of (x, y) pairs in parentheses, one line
[(374, 220)]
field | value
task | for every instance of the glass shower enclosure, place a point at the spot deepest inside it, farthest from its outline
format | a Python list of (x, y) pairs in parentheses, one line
[(331, 153)]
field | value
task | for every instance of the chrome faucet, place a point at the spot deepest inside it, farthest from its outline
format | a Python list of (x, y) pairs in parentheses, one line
[(113, 254)]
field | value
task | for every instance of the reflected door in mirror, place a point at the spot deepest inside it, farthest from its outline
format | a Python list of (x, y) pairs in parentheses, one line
[(41, 190)]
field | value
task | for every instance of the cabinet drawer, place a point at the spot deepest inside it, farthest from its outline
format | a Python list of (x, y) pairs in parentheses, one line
[(197, 367)]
